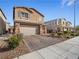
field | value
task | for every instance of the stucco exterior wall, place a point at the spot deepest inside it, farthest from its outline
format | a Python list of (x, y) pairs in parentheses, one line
[(37, 17), (34, 18), (2, 16), (60, 24), (2, 23)]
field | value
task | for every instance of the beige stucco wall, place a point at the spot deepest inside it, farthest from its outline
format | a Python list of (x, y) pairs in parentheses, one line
[(17, 27), (64, 23), (1, 15), (2, 23), (60, 23), (21, 10), (37, 17), (33, 17)]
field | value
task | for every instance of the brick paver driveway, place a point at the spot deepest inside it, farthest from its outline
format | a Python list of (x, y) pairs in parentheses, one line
[(37, 42)]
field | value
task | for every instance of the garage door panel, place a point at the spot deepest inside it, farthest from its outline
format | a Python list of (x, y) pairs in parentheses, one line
[(29, 30)]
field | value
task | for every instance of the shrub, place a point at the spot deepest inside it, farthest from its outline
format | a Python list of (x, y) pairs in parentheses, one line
[(65, 32), (67, 37), (78, 34), (59, 33), (72, 34), (19, 36), (13, 41)]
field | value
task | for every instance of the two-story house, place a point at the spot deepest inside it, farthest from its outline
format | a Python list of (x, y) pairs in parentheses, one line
[(2, 22), (60, 24), (28, 21)]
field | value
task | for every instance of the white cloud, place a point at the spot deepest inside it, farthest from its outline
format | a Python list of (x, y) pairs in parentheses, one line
[(71, 2), (68, 2)]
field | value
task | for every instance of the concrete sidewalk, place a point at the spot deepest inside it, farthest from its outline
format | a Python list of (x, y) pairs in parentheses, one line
[(65, 50)]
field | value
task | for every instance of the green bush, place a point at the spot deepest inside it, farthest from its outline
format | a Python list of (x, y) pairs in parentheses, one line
[(65, 32), (19, 36), (67, 37), (78, 34), (59, 33), (13, 41), (72, 34)]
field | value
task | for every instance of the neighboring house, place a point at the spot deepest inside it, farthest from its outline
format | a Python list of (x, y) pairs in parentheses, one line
[(28, 21), (7, 26), (60, 24), (2, 22)]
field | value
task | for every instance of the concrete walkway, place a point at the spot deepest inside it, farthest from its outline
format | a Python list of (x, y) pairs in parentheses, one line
[(65, 50)]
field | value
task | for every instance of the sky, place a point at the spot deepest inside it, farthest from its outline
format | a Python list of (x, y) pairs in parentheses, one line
[(51, 9)]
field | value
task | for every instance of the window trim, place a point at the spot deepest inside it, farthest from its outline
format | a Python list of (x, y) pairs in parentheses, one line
[(23, 14)]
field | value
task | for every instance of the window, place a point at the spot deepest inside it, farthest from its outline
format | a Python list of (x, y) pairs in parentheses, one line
[(23, 14)]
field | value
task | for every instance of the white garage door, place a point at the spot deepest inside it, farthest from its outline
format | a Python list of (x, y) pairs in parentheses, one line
[(29, 30)]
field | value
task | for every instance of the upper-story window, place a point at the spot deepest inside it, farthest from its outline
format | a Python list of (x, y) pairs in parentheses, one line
[(23, 14)]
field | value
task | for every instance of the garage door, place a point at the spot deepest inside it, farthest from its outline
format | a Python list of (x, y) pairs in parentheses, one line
[(29, 30)]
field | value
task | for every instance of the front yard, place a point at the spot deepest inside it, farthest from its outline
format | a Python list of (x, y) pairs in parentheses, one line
[(28, 44)]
